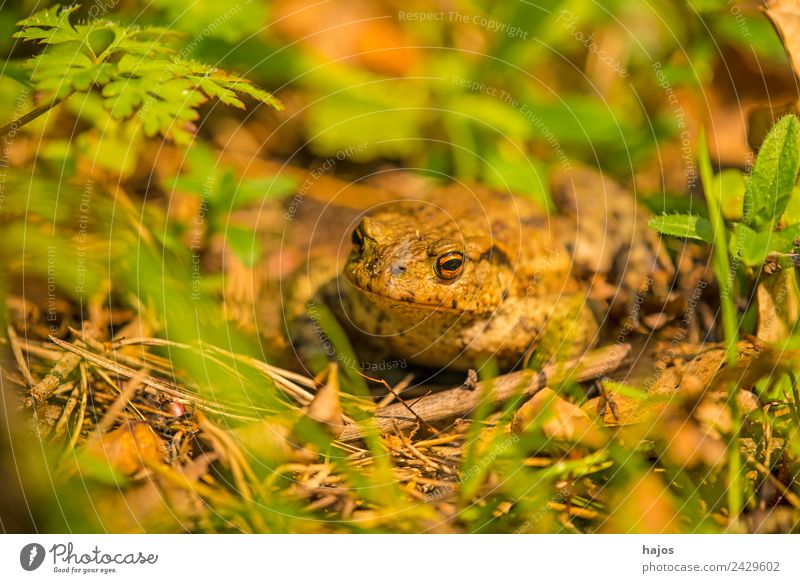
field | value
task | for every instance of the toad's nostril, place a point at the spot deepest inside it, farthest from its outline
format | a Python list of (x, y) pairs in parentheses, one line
[(397, 268)]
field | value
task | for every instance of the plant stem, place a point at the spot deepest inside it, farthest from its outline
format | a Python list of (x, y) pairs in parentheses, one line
[(729, 326), (14, 126)]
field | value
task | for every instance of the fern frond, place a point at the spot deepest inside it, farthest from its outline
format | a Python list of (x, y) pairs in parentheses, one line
[(136, 72)]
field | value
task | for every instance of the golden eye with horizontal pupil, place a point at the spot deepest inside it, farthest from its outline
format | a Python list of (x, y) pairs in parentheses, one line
[(358, 237), (449, 265)]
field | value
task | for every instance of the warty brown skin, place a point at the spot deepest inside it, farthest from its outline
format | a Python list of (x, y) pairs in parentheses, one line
[(523, 284), (511, 292)]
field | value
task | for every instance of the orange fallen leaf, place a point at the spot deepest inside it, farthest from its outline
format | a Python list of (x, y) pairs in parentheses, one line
[(557, 419), (643, 506), (129, 448), (326, 408)]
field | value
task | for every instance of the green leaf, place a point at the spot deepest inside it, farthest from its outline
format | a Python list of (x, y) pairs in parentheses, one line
[(205, 176), (774, 175), (684, 226), (53, 16), (199, 173), (95, 467), (100, 40), (388, 131), (508, 168), (702, 6), (224, 194), (56, 22), (755, 246), (792, 213), (490, 114), (135, 66), (226, 96), (244, 245), (256, 189), (244, 86), (730, 184)]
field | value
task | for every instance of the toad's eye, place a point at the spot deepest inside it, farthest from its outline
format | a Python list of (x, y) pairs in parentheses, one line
[(450, 264), (358, 237)]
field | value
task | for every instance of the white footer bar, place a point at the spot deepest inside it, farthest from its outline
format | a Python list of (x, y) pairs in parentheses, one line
[(401, 558)]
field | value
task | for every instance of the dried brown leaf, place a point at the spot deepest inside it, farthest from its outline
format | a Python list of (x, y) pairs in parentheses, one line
[(557, 419), (128, 448), (326, 408), (778, 307), (785, 17)]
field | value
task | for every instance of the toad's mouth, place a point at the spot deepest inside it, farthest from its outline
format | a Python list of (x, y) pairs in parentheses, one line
[(407, 301)]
